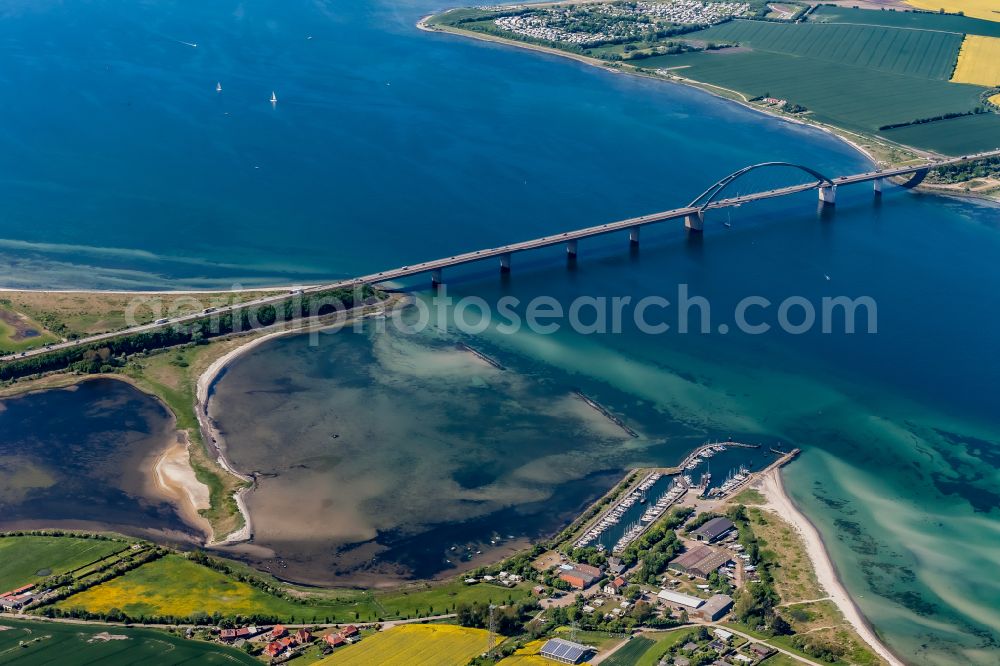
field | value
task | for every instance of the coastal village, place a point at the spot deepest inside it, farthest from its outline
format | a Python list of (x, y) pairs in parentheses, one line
[(664, 563)]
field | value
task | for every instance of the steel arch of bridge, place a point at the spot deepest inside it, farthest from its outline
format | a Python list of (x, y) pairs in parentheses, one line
[(702, 201)]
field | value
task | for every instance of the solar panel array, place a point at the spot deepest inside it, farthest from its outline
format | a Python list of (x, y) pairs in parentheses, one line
[(557, 648)]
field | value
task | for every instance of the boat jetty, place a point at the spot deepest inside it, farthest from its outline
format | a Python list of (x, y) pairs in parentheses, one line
[(706, 451), (608, 415)]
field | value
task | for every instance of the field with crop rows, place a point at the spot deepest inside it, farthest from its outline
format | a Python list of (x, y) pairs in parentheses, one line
[(911, 52), (918, 20), (851, 97), (957, 136)]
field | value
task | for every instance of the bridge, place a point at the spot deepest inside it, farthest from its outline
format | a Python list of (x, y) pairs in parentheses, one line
[(693, 215)]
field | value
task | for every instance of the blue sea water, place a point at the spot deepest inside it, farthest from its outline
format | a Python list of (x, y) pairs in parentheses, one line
[(121, 166)]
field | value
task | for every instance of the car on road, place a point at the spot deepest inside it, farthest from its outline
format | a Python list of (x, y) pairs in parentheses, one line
[(161, 321)]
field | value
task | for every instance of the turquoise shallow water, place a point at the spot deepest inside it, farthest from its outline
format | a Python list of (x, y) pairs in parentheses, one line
[(121, 167)]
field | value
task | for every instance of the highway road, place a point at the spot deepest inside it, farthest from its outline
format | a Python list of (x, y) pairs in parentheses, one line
[(507, 250)]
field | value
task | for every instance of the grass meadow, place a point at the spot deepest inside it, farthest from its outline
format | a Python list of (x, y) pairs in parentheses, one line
[(29, 559)]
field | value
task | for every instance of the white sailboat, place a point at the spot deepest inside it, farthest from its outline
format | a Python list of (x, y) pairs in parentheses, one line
[(218, 87), (274, 98)]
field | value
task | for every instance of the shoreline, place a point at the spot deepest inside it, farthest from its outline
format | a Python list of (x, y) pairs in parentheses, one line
[(773, 489), (210, 433), (174, 477), (629, 70)]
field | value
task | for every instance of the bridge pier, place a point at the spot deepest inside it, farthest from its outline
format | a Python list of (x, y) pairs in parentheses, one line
[(633, 236), (695, 221), (571, 249), (505, 262), (877, 184), (436, 278), (828, 195)]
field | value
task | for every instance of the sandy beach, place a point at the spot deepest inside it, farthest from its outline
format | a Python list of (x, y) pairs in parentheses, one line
[(175, 478), (778, 501)]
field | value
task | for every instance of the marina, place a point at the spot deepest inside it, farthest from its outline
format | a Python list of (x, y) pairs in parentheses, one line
[(626, 519), (649, 499)]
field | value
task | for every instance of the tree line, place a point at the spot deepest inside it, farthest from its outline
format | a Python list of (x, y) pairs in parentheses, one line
[(107, 354)]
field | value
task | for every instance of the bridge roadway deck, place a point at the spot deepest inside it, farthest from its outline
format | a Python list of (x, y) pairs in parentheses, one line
[(513, 248)]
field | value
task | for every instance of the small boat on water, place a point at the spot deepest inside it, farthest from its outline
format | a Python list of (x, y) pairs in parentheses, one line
[(218, 87), (274, 98)]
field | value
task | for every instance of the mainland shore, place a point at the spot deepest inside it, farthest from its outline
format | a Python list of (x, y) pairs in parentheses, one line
[(853, 139), (773, 489)]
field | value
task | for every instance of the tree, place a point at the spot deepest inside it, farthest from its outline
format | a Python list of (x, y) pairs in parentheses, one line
[(641, 611)]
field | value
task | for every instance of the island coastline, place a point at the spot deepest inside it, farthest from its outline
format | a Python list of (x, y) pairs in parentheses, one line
[(777, 499)]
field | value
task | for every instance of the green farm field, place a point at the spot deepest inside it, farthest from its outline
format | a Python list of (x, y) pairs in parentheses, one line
[(29, 559), (913, 20), (25, 643), (174, 586), (629, 654), (848, 96), (920, 53), (956, 136)]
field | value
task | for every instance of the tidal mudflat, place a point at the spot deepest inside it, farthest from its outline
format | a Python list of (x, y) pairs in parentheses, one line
[(384, 457)]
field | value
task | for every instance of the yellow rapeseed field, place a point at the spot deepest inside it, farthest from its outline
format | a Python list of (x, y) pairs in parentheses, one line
[(527, 656), (983, 9), (170, 586), (414, 645), (978, 61)]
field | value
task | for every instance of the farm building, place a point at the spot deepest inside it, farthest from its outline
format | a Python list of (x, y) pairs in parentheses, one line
[(580, 576), (679, 599), (565, 652), (717, 606), (714, 530), (700, 561)]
